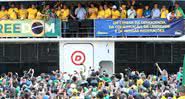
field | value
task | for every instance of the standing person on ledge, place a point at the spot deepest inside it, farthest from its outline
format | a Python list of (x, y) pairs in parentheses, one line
[(131, 12), (115, 12), (178, 11), (107, 12), (80, 12), (156, 12)]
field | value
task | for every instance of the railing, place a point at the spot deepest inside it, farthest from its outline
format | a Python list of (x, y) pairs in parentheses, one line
[(100, 28), (86, 28)]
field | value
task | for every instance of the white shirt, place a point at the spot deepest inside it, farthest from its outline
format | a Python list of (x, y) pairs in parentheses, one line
[(169, 15), (131, 13)]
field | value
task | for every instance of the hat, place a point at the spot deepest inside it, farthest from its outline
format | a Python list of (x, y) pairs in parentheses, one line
[(114, 7), (181, 89)]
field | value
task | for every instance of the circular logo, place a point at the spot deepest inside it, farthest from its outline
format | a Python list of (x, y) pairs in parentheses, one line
[(78, 57), (37, 28)]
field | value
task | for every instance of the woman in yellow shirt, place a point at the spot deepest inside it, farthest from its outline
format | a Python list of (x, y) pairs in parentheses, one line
[(3, 13), (92, 11), (64, 13), (22, 12), (58, 12), (107, 12), (13, 12), (164, 12), (32, 12), (101, 12), (123, 12)]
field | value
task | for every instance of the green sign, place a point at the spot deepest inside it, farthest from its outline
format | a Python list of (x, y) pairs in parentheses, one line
[(30, 28)]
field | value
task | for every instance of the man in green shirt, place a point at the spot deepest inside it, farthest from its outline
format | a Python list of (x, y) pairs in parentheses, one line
[(179, 11)]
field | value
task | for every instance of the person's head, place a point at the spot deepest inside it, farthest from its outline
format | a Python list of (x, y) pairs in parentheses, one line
[(173, 12), (163, 7), (132, 7), (2, 8), (123, 6), (79, 5), (22, 6), (146, 7), (92, 5), (33, 6), (100, 7), (180, 69), (47, 6), (156, 6), (105, 6), (176, 5), (65, 6), (114, 7), (12, 5)]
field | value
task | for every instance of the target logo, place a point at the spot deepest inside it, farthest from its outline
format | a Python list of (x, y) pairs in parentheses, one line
[(78, 57)]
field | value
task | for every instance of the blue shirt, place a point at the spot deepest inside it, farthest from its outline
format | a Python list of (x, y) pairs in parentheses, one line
[(147, 13), (156, 13), (80, 13)]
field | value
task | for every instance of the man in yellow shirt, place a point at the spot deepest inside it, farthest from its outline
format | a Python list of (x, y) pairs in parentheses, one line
[(22, 12), (181, 92), (164, 12), (107, 12), (65, 13), (32, 12), (13, 12), (115, 12), (92, 12), (123, 11), (3, 13), (101, 12)]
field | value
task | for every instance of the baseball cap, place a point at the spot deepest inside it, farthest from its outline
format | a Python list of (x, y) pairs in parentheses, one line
[(114, 7)]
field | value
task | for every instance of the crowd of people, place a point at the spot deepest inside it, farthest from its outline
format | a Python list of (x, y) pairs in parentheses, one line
[(93, 11), (97, 85)]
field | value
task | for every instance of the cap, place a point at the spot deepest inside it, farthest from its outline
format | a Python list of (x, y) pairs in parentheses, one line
[(114, 7)]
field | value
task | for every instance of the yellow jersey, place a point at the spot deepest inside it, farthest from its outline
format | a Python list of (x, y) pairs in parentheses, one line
[(93, 13), (12, 12), (22, 13), (108, 13), (101, 14), (139, 12), (164, 13), (124, 14), (3, 14), (115, 14), (39, 16), (65, 14), (32, 13)]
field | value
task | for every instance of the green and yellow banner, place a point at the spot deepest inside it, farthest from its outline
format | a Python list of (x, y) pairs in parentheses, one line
[(30, 28)]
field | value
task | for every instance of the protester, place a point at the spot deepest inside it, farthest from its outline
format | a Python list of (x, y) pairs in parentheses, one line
[(131, 13), (123, 11), (156, 12), (171, 16), (107, 11), (115, 12), (101, 12), (80, 12), (164, 12), (3, 13), (178, 11), (147, 12)]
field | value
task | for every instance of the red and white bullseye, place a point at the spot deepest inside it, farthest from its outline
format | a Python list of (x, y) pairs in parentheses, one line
[(78, 57)]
